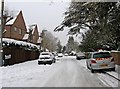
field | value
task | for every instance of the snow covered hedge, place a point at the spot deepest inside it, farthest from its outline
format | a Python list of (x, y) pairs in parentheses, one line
[(22, 44)]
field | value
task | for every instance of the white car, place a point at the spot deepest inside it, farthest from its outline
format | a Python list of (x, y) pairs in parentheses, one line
[(66, 54), (80, 56), (60, 55), (45, 58), (100, 60)]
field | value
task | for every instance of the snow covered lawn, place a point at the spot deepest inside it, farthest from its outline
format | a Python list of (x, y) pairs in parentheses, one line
[(24, 74)]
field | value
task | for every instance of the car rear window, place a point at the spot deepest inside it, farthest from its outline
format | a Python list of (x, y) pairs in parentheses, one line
[(102, 55), (45, 54), (44, 57)]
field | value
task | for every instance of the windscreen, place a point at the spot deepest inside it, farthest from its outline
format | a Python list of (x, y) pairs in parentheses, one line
[(102, 55), (45, 54)]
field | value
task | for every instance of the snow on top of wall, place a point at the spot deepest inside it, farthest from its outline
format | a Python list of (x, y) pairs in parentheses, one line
[(16, 42), (114, 51)]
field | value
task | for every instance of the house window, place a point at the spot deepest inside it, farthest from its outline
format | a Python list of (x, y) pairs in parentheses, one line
[(15, 29), (20, 31)]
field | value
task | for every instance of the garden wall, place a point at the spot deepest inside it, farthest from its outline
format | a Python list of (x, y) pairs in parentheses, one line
[(14, 54)]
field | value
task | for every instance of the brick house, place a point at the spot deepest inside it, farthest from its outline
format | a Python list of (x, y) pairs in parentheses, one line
[(15, 28), (32, 34)]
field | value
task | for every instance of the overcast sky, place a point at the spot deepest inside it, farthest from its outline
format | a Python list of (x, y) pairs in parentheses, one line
[(47, 14)]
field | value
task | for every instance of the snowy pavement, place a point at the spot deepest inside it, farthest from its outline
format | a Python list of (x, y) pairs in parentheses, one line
[(107, 80), (0, 77), (67, 72), (25, 74)]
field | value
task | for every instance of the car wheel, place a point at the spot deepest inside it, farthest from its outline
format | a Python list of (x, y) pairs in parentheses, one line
[(113, 69), (38, 63), (92, 71)]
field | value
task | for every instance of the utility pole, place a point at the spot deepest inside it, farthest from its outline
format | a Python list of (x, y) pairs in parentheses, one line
[(1, 30)]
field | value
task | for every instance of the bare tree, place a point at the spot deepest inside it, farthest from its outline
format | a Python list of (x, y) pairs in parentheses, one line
[(49, 41), (8, 15)]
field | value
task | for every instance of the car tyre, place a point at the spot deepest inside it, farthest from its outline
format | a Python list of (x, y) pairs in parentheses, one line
[(113, 69), (92, 71), (38, 63)]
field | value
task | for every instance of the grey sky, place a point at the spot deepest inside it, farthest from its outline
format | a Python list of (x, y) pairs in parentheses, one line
[(46, 14)]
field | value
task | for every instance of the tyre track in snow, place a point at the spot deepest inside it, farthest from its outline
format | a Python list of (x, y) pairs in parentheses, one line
[(72, 74)]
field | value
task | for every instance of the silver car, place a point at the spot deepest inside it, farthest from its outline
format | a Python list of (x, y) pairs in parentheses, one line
[(100, 60)]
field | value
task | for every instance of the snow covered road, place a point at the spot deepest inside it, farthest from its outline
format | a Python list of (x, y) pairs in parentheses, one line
[(72, 74), (67, 72)]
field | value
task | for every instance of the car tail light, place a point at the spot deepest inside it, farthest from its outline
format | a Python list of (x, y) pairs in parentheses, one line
[(112, 60), (93, 61)]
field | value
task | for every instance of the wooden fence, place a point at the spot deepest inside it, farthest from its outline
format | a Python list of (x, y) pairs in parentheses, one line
[(116, 56), (14, 54)]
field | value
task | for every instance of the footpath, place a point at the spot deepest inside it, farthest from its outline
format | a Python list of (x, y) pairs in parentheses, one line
[(115, 74)]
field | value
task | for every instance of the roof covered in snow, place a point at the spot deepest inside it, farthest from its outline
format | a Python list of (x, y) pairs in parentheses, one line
[(26, 36), (13, 20), (39, 40), (31, 27)]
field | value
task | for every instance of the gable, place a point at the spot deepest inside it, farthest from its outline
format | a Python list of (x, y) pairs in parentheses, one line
[(17, 27), (36, 33), (20, 22)]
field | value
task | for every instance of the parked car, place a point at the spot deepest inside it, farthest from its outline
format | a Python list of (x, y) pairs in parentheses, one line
[(100, 60), (72, 53), (66, 54), (60, 55), (80, 56), (45, 58)]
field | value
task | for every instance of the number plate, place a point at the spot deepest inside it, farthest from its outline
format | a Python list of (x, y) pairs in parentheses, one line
[(104, 65)]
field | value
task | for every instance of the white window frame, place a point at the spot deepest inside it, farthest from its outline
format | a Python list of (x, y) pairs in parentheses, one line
[(15, 29), (20, 31)]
